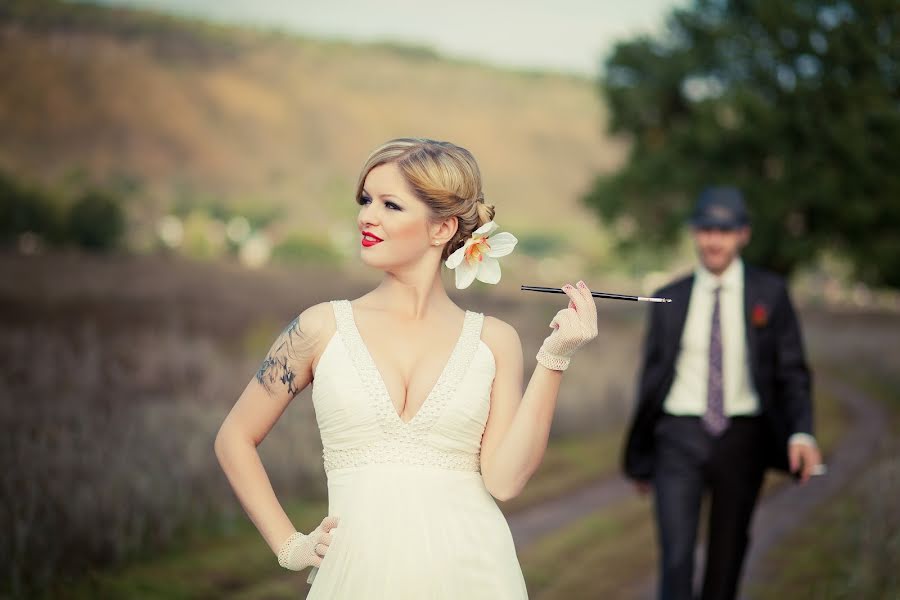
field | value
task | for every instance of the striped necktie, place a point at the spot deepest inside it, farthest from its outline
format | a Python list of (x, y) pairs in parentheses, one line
[(714, 419)]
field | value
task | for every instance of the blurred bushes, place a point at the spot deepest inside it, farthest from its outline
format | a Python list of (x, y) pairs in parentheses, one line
[(24, 209), (299, 247), (91, 219), (248, 231), (94, 218), (259, 214), (96, 221), (204, 236), (540, 244)]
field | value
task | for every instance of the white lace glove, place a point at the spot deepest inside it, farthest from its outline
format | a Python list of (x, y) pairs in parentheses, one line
[(573, 326), (300, 550)]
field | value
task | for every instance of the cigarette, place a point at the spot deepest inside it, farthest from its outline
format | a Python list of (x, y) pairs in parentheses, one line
[(551, 290), (819, 469)]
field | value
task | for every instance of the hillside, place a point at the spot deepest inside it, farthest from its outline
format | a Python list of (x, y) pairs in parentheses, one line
[(192, 111)]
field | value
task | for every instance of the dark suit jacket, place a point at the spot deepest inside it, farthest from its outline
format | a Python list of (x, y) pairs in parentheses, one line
[(777, 364)]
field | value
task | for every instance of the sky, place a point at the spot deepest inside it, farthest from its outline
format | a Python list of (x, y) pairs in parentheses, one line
[(571, 36)]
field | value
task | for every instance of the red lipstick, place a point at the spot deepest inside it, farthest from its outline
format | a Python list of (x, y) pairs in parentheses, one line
[(370, 239)]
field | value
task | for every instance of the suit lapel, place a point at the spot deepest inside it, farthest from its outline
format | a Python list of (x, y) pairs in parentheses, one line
[(749, 301), (681, 298)]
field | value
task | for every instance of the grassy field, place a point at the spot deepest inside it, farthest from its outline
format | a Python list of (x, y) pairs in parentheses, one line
[(111, 458), (202, 564), (238, 564), (613, 553), (597, 558), (570, 462), (855, 556), (148, 354)]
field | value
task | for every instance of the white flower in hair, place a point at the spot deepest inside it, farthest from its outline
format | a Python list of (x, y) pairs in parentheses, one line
[(477, 258)]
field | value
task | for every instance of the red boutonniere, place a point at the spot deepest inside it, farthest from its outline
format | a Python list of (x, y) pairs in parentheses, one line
[(759, 316)]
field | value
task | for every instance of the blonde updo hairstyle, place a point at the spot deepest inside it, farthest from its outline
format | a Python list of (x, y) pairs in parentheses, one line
[(443, 176)]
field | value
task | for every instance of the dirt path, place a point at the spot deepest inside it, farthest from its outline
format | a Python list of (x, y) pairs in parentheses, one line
[(778, 514), (533, 523), (784, 510)]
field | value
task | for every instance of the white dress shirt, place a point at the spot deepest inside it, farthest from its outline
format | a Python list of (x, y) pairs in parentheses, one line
[(687, 395)]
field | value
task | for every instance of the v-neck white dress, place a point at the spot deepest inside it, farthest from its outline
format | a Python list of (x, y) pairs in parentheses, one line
[(415, 518)]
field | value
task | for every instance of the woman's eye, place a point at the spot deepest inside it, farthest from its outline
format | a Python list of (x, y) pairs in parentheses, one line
[(362, 200)]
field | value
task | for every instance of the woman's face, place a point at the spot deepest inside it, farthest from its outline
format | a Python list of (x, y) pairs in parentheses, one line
[(395, 218)]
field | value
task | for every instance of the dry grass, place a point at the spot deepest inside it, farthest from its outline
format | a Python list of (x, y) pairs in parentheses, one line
[(232, 565), (850, 547), (110, 444), (570, 463), (119, 370), (599, 557)]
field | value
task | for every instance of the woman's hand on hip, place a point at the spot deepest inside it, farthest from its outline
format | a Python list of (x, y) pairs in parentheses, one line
[(301, 550)]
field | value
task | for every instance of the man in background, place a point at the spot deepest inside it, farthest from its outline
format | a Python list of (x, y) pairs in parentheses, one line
[(724, 393)]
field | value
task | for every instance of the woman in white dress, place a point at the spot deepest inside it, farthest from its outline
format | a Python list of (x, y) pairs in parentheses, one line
[(419, 402)]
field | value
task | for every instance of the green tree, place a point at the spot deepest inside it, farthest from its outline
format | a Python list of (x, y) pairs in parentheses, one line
[(797, 103)]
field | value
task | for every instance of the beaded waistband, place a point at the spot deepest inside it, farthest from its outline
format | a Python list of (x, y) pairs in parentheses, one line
[(400, 452)]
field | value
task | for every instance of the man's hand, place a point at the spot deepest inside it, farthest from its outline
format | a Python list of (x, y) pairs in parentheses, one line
[(642, 487), (803, 458)]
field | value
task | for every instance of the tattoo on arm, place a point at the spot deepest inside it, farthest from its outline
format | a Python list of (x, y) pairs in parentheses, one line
[(278, 368)]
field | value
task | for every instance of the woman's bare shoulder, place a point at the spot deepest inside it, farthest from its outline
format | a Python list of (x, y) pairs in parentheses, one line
[(500, 336), (317, 321)]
